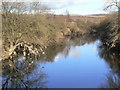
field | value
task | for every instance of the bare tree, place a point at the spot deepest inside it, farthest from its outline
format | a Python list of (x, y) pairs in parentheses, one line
[(12, 22), (17, 25), (34, 7), (13, 7), (37, 7), (68, 15), (111, 3), (116, 4)]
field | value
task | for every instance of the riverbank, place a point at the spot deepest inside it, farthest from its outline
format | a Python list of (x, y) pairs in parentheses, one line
[(78, 55), (33, 33), (108, 31)]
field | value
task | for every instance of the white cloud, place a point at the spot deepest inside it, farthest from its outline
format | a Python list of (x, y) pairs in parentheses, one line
[(101, 12), (94, 48), (55, 3), (73, 6), (74, 52), (51, 1), (58, 57), (73, 1), (62, 3)]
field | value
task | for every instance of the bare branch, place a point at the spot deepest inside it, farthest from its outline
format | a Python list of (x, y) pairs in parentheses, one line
[(113, 3)]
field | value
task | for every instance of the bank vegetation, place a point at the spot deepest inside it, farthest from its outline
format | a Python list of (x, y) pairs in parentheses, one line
[(29, 28)]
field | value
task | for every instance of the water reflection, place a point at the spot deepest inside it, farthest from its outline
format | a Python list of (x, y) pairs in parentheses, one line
[(112, 81), (77, 63), (22, 73), (113, 60)]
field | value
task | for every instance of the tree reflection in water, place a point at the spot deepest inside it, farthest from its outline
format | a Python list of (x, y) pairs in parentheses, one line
[(113, 60), (25, 72), (21, 73), (113, 81)]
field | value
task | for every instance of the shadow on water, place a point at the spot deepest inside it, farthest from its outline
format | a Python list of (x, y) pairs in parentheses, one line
[(27, 72), (113, 60), (21, 73)]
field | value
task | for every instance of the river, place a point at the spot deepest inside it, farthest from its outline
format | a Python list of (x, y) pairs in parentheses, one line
[(76, 64)]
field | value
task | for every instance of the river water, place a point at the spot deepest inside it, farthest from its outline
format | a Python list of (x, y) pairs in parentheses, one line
[(76, 64)]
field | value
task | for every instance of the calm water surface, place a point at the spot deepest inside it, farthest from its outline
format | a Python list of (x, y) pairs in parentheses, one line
[(77, 64), (81, 67)]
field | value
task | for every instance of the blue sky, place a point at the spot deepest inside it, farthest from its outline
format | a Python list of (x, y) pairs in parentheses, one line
[(82, 7)]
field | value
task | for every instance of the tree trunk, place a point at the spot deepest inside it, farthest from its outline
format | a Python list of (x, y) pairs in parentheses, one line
[(12, 48), (8, 53)]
